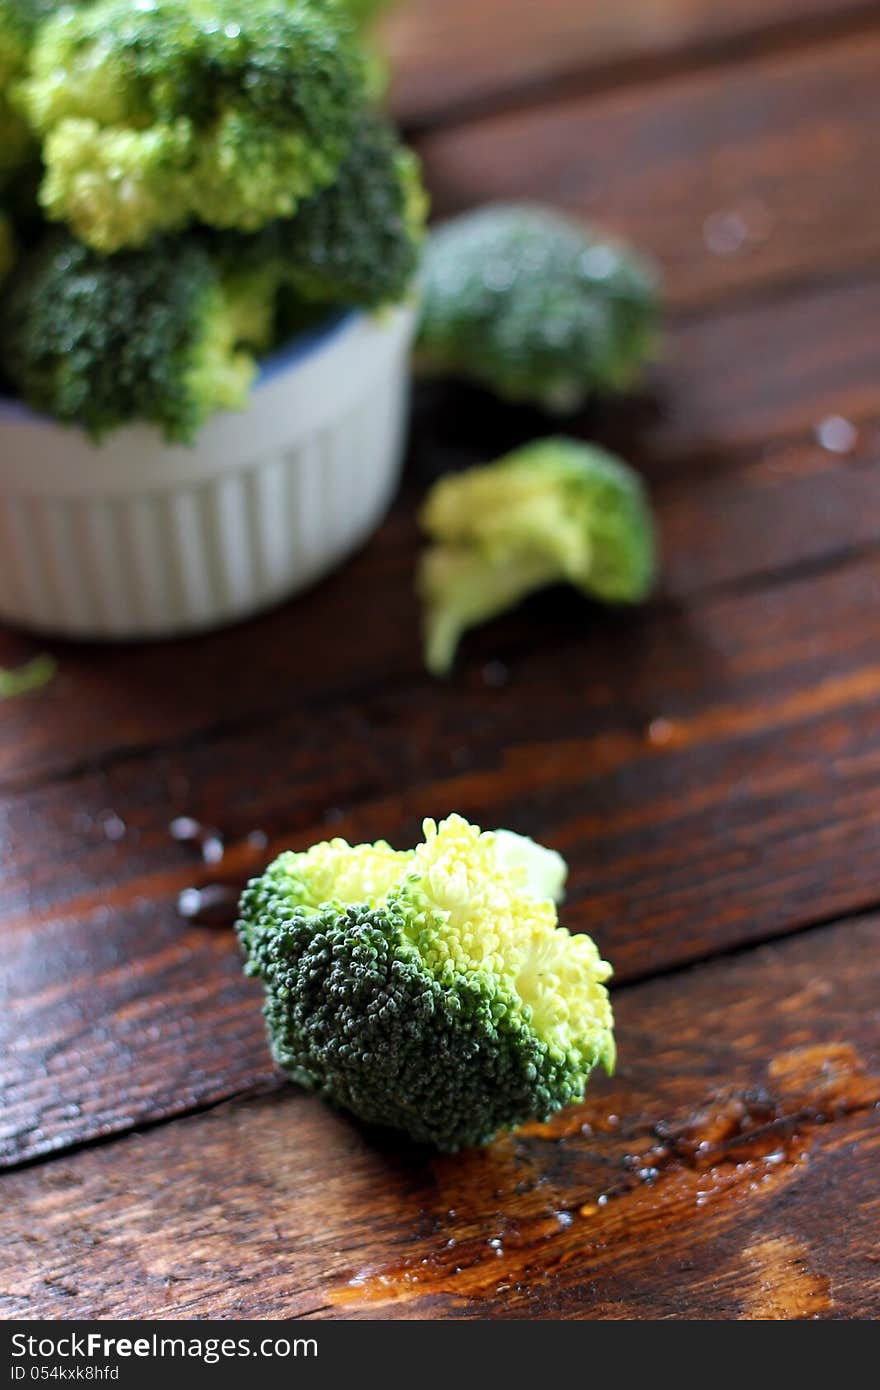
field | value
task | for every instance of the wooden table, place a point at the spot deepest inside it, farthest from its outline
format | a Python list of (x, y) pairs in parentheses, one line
[(710, 766)]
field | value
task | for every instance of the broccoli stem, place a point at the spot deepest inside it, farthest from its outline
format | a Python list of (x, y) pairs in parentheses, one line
[(473, 592)]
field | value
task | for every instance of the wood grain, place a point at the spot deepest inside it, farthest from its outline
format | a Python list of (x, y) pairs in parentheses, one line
[(708, 765), (733, 180), (711, 775), (728, 1170), (453, 57), (798, 509), (756, 376), (793, 506)]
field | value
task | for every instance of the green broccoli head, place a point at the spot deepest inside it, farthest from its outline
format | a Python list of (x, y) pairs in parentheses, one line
[(429, 990), (555, 511), (156, 335), (155, 113), (358, 241), (535, 307)]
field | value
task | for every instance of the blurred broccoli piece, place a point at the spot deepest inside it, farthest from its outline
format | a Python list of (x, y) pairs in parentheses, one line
[(156, 114), (34, 675), (535, 307), (156, 335), (357, 242), (556, 511)]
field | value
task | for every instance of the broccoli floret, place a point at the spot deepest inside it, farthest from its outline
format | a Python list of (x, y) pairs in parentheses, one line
[(555, 511), (429, 990), (155, 335), (155, 115), (357, 242), (535, 307)]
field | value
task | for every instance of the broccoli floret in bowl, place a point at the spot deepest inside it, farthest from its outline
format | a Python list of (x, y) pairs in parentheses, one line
[(202, 142), (158, 335), (229, 203), (553, 512), (358, 241), (156, 115), (535, 307), (429, 990)]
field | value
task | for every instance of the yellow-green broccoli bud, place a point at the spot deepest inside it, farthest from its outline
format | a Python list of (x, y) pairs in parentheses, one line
[(556, 511), (154, 115), (430, 990), (534, 307), (156, 335), (117, 187)]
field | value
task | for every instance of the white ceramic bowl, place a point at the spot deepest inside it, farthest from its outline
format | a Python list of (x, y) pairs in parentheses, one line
[(135, 538)]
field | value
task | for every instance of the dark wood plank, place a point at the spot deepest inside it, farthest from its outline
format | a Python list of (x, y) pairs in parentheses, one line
[(761, 375), (787, 380), (453, 56), (728, 1170), (789, 508), (708, 766), (733, 180), (796, 508), (711, 774)]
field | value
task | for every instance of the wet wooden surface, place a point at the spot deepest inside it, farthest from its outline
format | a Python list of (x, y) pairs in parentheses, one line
[(728, 1170), (710, 766)]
